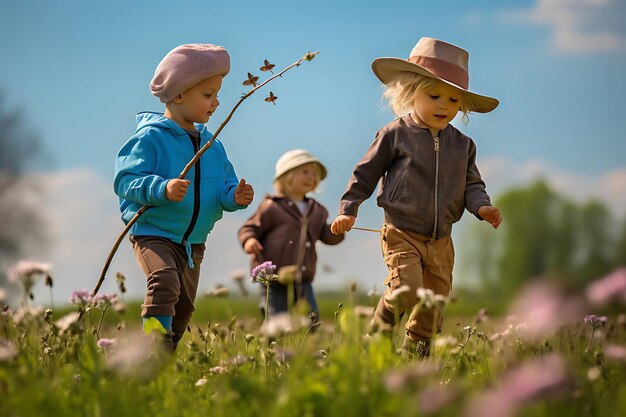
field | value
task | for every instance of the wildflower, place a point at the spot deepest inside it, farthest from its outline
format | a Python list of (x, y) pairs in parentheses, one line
[(426, 296), (405, 379), (363, 311), (106, 344), (8, 351), (25, 313), (469, 330), (530, 381), (80, 298), (238, 277), (593, 373), (397, 293), (482, 316), (544, 308), (66, 322), (131, 355), (27, 272), (219, 291), (278, 324), (609, 288), (105, 300), (445, 341), (238, 360), (373, 293), (121, 282), (616, 352), (218, 370), (433, 399), (202, 381), (264, 273), (595, 321)]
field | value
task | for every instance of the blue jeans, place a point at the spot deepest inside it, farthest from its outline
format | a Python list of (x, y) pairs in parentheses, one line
[(278, 298)]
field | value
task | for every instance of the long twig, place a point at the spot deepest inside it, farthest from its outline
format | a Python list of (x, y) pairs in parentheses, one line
[(308, 57)]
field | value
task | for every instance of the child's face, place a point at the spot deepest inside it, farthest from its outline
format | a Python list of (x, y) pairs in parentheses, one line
[(198, 103), (435, 106), (303, 179)]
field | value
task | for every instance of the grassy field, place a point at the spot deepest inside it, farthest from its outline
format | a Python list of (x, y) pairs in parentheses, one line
[(483, 364)]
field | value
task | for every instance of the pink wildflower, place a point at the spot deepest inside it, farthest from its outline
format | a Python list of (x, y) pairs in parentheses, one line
[(27, 270), (264, 273), (609, 288), (80, 297), (532, 380), (615, 352), (543, 308), (106, 344)]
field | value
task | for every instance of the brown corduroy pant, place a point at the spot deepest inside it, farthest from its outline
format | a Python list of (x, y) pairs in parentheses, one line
[(171, 283), (415, 261)]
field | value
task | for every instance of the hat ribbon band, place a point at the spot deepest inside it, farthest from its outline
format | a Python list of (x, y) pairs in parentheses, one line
[(443, 69)]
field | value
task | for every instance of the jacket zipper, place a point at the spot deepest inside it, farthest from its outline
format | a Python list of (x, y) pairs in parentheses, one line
[(196, 188), (436, 205)]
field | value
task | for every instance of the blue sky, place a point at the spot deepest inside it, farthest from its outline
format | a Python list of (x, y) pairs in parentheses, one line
[(79, 71)]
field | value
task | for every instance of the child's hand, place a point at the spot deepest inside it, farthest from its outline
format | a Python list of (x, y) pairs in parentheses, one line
[(244, 193), (176, 189), (342, 224), (252, 246), (491, 214)]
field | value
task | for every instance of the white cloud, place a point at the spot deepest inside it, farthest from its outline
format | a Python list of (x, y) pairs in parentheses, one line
[(82, 212), (578, 26)]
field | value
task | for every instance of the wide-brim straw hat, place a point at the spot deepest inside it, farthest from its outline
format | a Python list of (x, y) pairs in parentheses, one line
[(436, 59), (295, 158)]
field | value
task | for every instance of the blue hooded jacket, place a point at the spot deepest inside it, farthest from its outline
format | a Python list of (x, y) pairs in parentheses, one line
[(158, 152)]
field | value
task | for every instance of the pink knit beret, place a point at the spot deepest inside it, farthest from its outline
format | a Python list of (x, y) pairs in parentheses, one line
[(187, 65)]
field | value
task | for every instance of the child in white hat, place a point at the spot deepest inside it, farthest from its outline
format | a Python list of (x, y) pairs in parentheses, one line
[(285, 228), (429, 177), (168, 239)]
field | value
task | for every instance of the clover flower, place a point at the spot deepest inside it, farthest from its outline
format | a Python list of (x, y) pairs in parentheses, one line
[(610, 288), (80, 298), (595, 321), (264, 273), (532, 381), (104, 300), (27, 272), (8, 351), (106, 344)]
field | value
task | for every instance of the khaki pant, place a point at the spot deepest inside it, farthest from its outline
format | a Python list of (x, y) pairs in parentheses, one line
[(171, 284), (415, 261)]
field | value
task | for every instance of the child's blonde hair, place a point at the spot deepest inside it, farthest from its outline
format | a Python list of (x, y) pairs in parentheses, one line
[(281, 184), (400, 93)]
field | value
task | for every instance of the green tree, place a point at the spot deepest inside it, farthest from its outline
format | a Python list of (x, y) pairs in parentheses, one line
[(543, 235), (620, 247), (595, 246), (21, 226)]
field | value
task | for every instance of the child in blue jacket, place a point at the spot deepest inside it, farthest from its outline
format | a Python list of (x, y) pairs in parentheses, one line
[(169, 238)]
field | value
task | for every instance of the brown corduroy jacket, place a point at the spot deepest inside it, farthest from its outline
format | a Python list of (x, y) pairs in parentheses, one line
[(276, 224), (426, 182)]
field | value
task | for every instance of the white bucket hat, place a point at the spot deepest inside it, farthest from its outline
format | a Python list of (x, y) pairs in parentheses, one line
[(295, 158), (436, 59)]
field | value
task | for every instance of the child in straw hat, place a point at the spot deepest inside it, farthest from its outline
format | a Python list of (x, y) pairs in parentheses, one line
[(429, 177), (284, 230), (169, 238)]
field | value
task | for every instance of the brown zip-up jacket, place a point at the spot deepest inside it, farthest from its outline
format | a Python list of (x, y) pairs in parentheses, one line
[(276, 224), (426, 182)]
